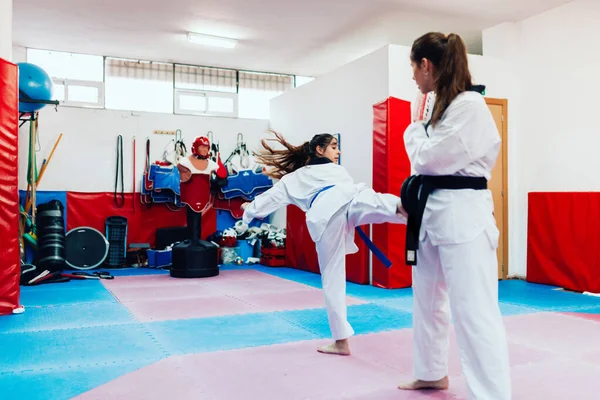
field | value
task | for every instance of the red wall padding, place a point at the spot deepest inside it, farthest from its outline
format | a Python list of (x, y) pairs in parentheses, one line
[(92, 209), (10, 268), (301, 253), (300, 250), (391, 167), (563, 237)]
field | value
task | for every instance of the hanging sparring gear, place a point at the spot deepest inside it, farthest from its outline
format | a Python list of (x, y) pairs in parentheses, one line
[(244, 182), (240, 152), (119, 171), (201, 141), (221, 174), (233, 206), (174, 150), (247, 184), (146, 186)]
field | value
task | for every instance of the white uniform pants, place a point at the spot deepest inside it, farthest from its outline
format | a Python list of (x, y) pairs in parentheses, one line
[(368, 207), (462, 278)]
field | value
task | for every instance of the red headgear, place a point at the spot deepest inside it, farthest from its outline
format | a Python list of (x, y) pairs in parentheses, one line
[(200, 141)]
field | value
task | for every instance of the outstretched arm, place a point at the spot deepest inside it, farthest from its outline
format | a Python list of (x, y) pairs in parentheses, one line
[(266, 203)]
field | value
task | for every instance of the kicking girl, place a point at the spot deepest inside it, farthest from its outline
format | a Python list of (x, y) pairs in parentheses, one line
[(310, 178)]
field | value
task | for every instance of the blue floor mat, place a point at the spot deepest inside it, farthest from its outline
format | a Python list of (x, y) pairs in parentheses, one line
[(68, 348), (62, 384), (519, 284), (364, 318), (402, 303), (508, 310), (543, 298), (406, 304), (67, 316), (591, 310), (225, 333), (76, 291), (365, 292)]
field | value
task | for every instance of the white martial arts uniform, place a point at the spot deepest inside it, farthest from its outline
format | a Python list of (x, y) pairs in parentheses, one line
[(457, 264), (331, 221)]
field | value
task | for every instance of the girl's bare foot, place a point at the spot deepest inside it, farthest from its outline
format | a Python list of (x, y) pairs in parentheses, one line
[(340, 347), (442, 384)]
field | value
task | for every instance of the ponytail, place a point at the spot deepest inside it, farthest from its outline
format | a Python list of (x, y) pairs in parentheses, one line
[(291, 158), (449, 55), (282, 161)]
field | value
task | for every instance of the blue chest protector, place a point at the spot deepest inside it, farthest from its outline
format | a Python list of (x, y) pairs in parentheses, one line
[(165, 184), (247, 184)]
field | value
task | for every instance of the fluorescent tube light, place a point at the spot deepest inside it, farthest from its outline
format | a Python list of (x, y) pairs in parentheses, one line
[(208, 40)]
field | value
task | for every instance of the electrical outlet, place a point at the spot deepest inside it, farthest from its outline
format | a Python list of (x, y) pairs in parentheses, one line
[(161, 132)]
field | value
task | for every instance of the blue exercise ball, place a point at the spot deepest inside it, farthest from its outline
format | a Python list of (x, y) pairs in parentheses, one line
[(36, 84)]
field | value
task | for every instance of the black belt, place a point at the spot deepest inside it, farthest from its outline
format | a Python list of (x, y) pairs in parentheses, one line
[(414, 193)]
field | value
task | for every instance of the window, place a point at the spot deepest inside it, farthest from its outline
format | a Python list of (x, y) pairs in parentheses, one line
[(122, 84), (139, 85), (60, 65), (205, 78), (205, 91), (79, 93), (205, 103), (303, 80), (256, 90), (78, 78)]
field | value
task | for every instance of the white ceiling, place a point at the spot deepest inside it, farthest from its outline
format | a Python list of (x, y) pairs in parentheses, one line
[(303, 37)]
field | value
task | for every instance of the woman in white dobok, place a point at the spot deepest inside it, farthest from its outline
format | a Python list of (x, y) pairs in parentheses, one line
[(310, 178), (455, 149)]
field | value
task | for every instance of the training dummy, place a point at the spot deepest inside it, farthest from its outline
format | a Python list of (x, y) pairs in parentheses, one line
[(195, 171), (311, 179)]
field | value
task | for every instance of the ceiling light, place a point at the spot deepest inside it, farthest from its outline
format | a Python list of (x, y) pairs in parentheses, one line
[(211, 40)]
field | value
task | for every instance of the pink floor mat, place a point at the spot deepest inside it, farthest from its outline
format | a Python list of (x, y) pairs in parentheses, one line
[(379, 362), (159, 298), (555, 332)]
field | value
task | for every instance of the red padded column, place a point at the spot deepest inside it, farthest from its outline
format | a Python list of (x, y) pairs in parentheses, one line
[(300, 250), (391, 167), (301, 253), (10, 268)]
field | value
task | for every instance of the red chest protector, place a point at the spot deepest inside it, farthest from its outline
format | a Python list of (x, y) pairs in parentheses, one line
[(234, 205), (195, 192)]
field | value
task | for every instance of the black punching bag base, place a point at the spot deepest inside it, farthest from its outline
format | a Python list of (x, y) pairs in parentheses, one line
[(194, 259)]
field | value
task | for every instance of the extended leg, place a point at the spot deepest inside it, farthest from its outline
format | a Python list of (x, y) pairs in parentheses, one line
[(331, 251), (370, 207), (431, 322), (472, 275)]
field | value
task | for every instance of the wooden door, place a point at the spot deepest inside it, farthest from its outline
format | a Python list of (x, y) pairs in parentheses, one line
[(498, 185)]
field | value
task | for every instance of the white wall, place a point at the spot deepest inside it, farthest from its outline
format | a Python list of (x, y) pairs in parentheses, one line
[(6, 30), (554, 138), (19, 54), (85, 159), (338, 102)]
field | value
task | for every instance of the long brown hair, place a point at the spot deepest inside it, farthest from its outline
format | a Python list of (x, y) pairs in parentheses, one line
[(449, 56), (292, 157)]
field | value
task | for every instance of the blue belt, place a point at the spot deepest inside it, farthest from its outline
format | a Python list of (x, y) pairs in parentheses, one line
[(378, 253)]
